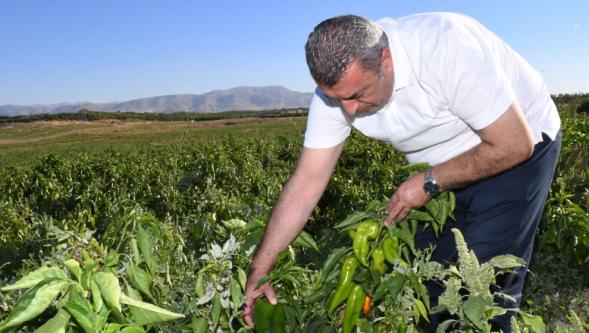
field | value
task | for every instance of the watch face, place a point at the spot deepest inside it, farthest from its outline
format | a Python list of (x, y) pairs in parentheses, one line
[(430, 188)]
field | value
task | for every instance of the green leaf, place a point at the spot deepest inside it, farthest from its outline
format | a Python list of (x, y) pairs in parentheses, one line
[(102, 317), (415, 167), (81, 310), (317, 324), (534, 322), (252, 239), (254, 224), (146, 245), (110, 289), (421, 309), (88, 264), (140, 279), (136, 295), (242, 277), (86, 278), (132, 330), (199, 287), (133, 293), (305, 240), (419, 215), (443, 327), (332, 260), (434, 207), (234, 224), (112, 328), (452, 204), (199, 325), (135, 249), (505, 261), (74, 267), (216, 310), (318, 295), (353, 218), (236, 294), (365, 325), (498, 311), (34, 302), (405, 234), (57, 324), (96, 296), (419, 288), (33, 278), (112, 259), (147, 314), (392, 285), (289, 312), (475, 307)]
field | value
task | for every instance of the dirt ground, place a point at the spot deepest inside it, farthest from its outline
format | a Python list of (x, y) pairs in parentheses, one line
[(106, 126)]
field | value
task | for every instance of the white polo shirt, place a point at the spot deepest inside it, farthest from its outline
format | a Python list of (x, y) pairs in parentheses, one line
[(452, 77)]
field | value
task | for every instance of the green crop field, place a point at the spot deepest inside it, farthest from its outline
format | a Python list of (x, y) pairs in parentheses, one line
[(148, 226), (24, 142)]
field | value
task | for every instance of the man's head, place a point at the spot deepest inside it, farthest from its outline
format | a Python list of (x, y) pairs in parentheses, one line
[(349, 59), (336, 42)]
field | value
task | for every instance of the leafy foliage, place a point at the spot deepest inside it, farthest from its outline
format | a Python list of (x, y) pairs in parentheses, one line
[(177, 224)]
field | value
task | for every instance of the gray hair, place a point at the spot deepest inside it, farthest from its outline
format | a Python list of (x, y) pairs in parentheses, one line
[(337, 42)]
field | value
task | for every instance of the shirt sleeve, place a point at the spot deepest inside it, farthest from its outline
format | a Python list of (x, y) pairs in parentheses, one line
[(326, 125), (475, 83)]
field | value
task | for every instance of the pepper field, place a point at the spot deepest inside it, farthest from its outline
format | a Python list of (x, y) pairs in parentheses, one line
[(152, 230)]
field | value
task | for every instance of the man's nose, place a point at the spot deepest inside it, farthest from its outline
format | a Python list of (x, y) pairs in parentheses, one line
[(350, 107)]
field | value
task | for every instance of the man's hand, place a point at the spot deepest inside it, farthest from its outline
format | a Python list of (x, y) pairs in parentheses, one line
[(251, 294), (408, 196)]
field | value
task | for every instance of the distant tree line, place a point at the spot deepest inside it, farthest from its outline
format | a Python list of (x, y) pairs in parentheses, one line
[(579, 101), (574, 100), (88, 115)]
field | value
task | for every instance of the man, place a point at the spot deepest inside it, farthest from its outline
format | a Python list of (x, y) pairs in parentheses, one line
[(441, 89)]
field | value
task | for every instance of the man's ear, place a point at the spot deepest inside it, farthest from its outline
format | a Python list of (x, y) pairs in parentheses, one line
[(386, 59)]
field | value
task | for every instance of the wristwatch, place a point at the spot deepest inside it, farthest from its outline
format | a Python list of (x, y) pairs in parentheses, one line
[(430, 186)]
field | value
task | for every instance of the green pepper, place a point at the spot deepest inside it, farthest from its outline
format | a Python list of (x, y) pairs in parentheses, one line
[(378, 260), (390, 247), (345, 283), (366, 231), (353, 308), (352, 233), (391, 251), (269, 318)]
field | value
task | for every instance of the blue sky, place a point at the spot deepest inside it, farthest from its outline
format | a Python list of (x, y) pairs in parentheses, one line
[(116, 50)]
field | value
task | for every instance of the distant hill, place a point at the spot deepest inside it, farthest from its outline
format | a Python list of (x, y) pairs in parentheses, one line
[(235, 99)]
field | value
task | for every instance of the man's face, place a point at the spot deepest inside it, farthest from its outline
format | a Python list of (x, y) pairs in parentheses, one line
[(361, 92)]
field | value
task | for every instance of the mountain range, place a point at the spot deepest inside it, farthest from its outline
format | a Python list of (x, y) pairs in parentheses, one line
[(234, 99)]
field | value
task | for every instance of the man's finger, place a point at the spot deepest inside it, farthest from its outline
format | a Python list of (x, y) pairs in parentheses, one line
[(393, 212), (247, 312), (270, 295), (247, 315), (403, 214)]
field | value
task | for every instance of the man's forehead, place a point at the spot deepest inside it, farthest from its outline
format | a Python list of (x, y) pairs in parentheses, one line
[(351, 80)]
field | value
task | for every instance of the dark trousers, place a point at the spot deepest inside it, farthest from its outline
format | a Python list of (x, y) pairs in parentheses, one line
[(499, 215)]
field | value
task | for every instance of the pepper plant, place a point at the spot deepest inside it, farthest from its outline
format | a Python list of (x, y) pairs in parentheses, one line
[(87, 295), (381, 275)]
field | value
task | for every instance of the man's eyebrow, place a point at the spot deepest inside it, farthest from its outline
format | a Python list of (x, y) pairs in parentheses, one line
[(354, 96)]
